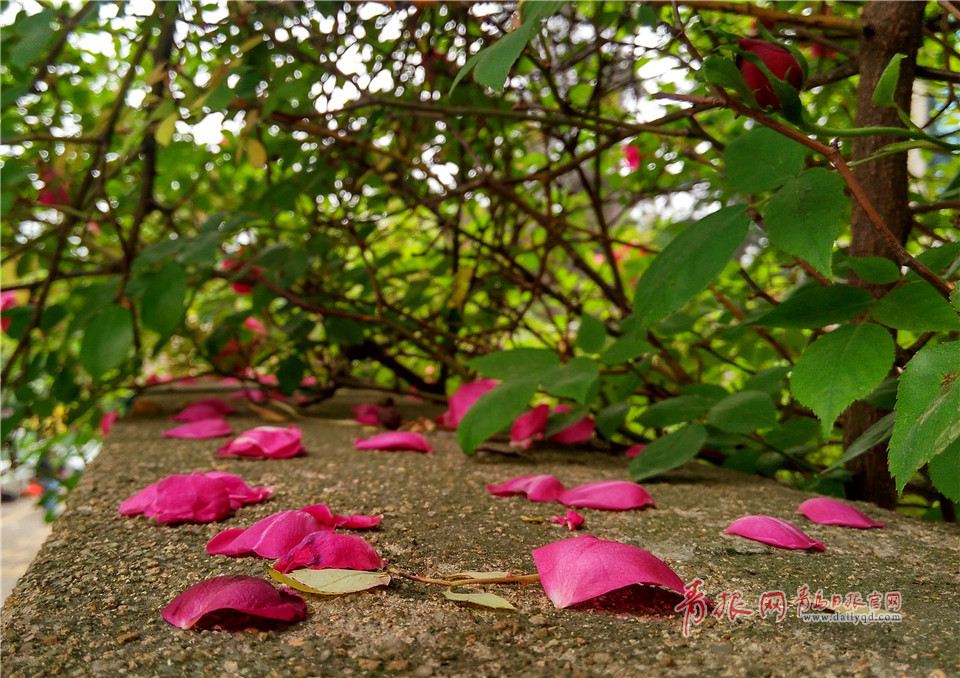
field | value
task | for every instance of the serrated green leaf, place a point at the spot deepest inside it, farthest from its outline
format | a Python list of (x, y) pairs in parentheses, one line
[(107, 341), (668, 452), (916, 307), (592, 334), (723, 72), (805, 216), (875, 269), (689, 263), (330, 582), (674, 411), (883, 93), (162, 307), (761, 160), (518, 362), (490, 600), (573, 380), (743, 412), (494, 411), (841, 367), (817, 306), (945, 471), (928, 403)]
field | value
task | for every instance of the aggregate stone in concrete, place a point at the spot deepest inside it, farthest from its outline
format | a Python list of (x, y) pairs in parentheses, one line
[(90, 603)]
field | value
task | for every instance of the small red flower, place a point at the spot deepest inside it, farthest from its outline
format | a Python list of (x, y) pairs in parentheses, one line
[(780, 62)]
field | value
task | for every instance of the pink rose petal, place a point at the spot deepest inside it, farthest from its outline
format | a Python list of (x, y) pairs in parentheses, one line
[(308, 381), (240, 493), (181, 498), (107, 421), (537, 488), (580, 568), (331, 520), (610, 495), (634, 450), (324, 550), (773, 531), (461, 401), (572, 520), (270, 442), (268, 538), (529, 427), (832, 512), (197, 413), (631, 154), (572, 435), (393, 441), (221, 406), (366, 413), (200, 430), (231, 600)]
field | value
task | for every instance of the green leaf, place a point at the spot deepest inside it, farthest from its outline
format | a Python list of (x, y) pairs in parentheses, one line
[(841, 367), (668, 452), (623, 350), (792, 433), (490, 600), (769, 380), (163, 304), (674, 411), (928, 401), (875, 269), (743, 412), (945, 471), (804, 217), (516, 362), (817, 306), (689, 263), (202, 250), (330, 582), (107, 341), (887, 84), (159, 251), (610, 418), (573, 380), (869, 439), (592, 334), (290, 373), (916, 307), (723, 72), (761, 160), (35, 31), (564, 420), (494, 411)]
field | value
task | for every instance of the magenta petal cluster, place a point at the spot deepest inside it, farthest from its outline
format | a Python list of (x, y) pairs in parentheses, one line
[(572, 520), (529, 427), (832, 512), (201, 430), (775, 532), (218, 405), (231, 600), (366, 413), (270, 442), (461, 401), (394, 441), (611, 495), (197, 497), (580, 568), (323, 550), (536, 488), (271, 537), (331, 520), (197, 412), (578, 433)]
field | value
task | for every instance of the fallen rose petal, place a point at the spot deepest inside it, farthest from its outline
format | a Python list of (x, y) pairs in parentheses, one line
[(634, 450), (240, 493), (221, 406), (394, 441), (572, 520), (197, 413), (324, 550), (271, 537), (580, 568), (331, 520), (529, 427), (201, 430), (107, 421), (572, 435), (461, 401), (181, 498), (773, 531), (252, 394), (270, 442), (832, 512), (231, 600), (610, 495), (367, 413), (540, 488)]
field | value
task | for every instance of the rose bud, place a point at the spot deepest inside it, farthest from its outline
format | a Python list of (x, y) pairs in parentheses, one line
[(780, 62)]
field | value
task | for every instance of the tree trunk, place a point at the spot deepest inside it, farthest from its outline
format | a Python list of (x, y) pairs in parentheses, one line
[(889, 28)]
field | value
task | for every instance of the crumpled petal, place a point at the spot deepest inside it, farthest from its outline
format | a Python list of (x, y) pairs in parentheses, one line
[(610, 495), (198, 413), (832, 512), (201, 430), (634, 450), (580, 568), (529, 426), (107, 421), (393, 441), (331, 520), (271, 442), (326, 550), (572, 520), (181, 498), (465, 398), (271, 537), (231, 600), (536, 488), (240, 493), (578, 433), (773, 531)]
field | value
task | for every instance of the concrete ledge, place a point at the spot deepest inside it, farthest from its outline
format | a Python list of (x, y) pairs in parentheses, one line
[(90, 602)]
